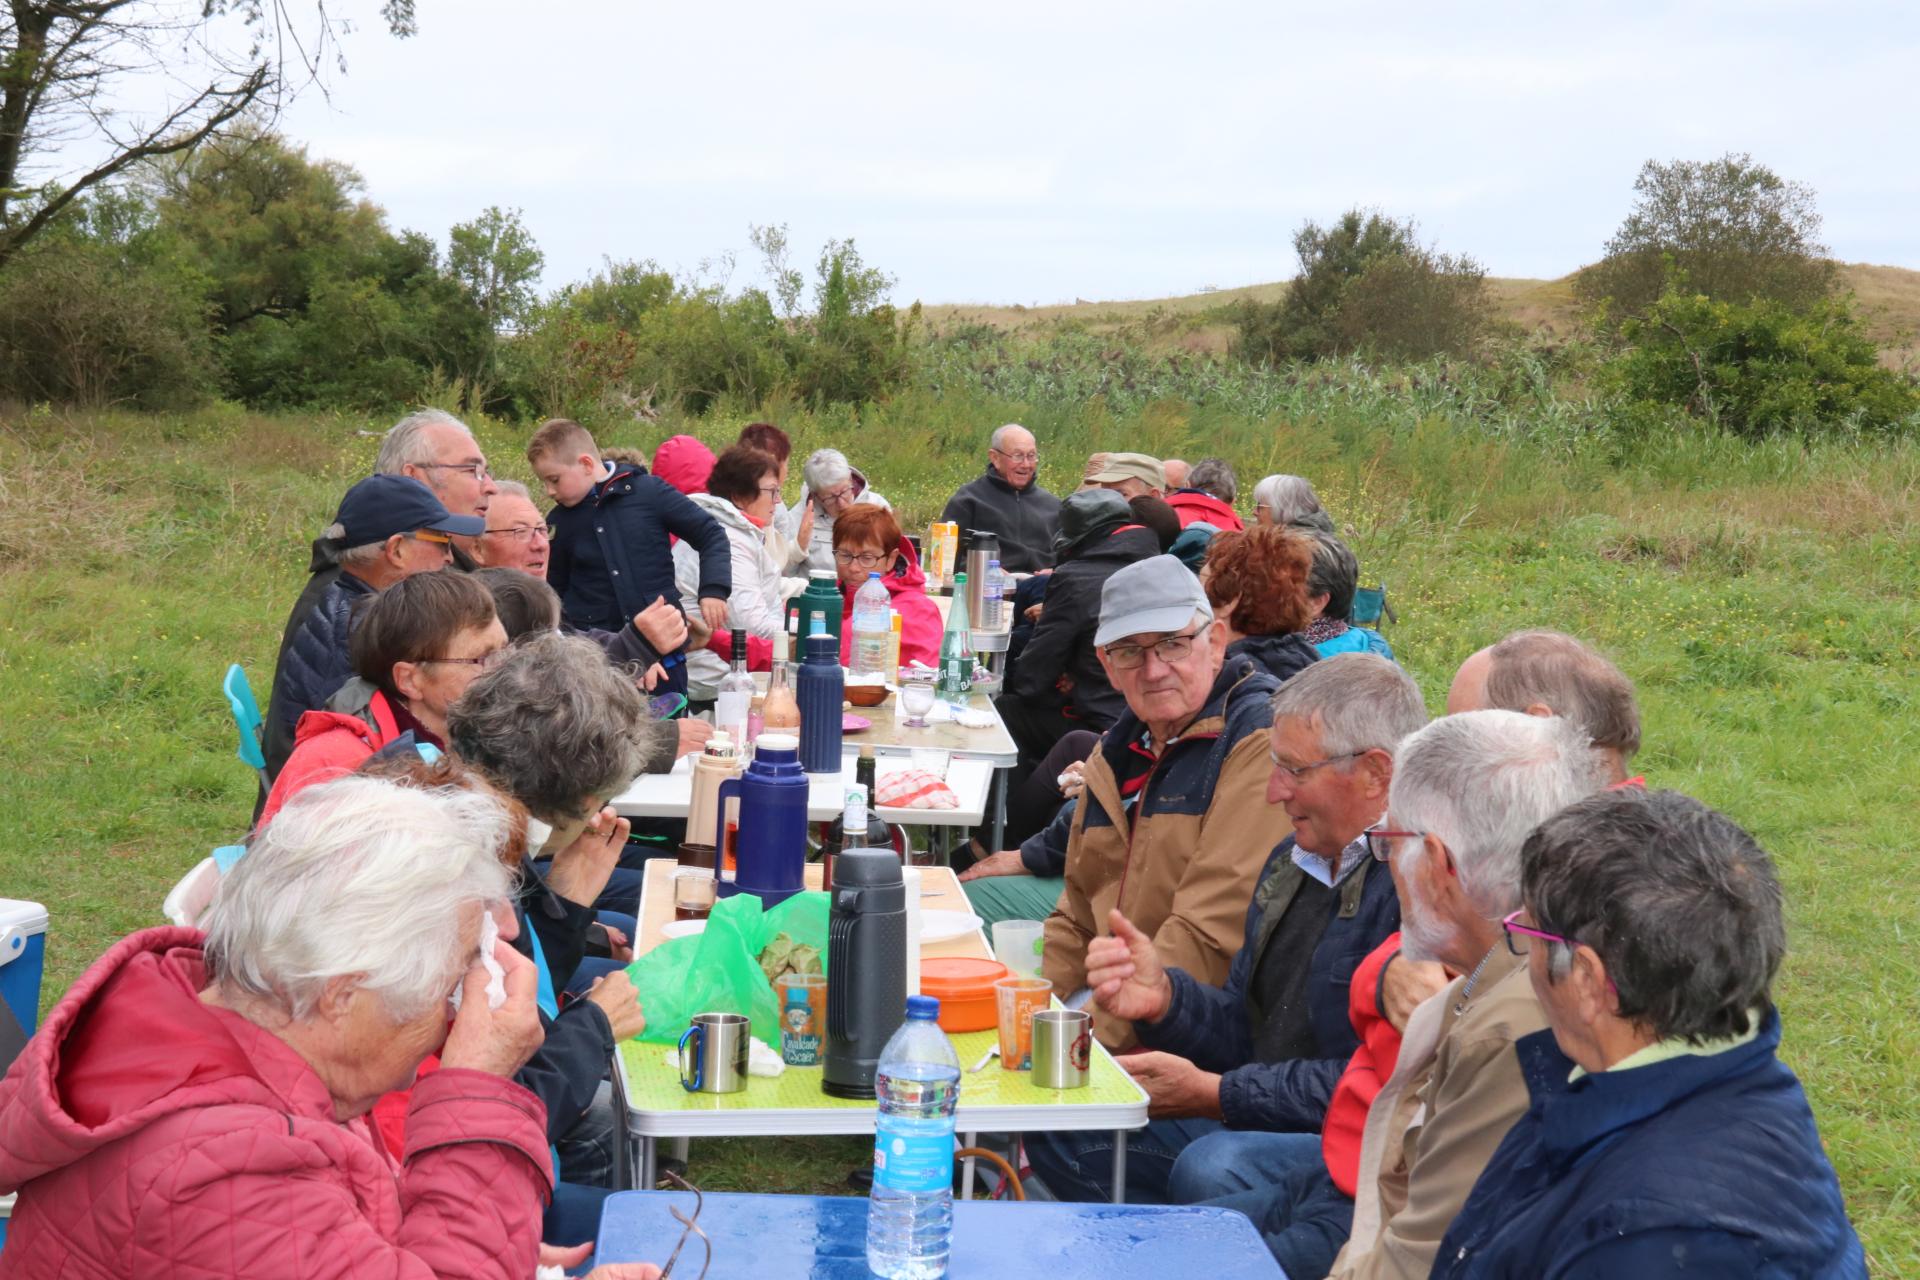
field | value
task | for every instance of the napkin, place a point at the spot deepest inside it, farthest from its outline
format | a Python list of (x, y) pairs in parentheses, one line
[(761, 1061)]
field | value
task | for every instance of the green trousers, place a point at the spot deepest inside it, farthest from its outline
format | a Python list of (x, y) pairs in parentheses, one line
[(997, 898)]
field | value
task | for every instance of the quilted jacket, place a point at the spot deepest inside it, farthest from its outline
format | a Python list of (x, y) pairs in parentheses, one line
[(313, 664), (1181, 858), (149, 1134), (330, 742), (1214, 1026), (1195, 505), (610, 554)]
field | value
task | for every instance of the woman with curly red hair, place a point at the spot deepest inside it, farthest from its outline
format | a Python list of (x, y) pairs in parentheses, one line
[(1256, 581)]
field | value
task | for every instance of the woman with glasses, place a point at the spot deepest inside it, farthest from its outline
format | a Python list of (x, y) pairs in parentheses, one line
[(834, 485), (415, 648), (867, 540), (743, 492)]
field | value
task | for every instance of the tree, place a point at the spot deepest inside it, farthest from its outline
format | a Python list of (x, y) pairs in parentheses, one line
[(496, 258), (60, 60), (1366, 282), (1735, 229)]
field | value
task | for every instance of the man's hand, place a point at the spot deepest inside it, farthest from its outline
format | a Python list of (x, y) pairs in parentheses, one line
[(619, 946), (803, 536), (1073, 779), (1126, 975), (582, 869), (654, 676), (694, 733), (1405, 984), (570, 1256), (1034, 610), (1175, 1087), (1004, 863), (714, 613), (661, 625), (496, 1041), (615, 995)]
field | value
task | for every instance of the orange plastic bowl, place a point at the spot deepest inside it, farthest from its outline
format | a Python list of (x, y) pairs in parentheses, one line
[(965, 991)]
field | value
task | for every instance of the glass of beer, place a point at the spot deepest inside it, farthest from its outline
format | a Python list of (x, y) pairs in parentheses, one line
[(693, 893)]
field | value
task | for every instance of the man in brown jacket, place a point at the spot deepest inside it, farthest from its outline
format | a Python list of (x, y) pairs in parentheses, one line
[(1174, 825), (1466, 791)]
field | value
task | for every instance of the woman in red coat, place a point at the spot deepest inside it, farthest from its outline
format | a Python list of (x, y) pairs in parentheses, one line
[(866, 540), (197, 1103)]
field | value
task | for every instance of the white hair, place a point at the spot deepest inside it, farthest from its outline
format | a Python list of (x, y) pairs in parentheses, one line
[(1481, 781), (826, 468), (1000, 433), (406, 445), (360, 878), (513, 489), (1292, 501), (1358, 702)]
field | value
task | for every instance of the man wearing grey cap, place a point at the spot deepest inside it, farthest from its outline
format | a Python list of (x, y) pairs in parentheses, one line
[(1174, 824)]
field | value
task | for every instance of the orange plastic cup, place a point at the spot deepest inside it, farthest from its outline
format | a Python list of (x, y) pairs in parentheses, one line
[(1018, 999)]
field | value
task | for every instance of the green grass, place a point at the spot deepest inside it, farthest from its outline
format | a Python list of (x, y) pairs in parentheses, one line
[(1762, 598)]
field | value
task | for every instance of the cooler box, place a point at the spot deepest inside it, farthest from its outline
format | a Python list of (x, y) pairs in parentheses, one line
[(23, 953)]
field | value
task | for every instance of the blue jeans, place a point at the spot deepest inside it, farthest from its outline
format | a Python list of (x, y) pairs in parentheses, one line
[(590, 1150), (1079, 1166), (1235, 1160), (1303, 1218)]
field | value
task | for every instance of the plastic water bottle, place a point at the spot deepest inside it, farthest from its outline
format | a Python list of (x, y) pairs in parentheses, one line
[(910, 1217), (991, 597), (872, 627)]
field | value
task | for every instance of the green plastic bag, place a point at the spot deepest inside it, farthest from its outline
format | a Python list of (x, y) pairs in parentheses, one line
[(718, 969)]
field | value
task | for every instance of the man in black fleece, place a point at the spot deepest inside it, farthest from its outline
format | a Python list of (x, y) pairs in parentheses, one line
[(1009, 502)]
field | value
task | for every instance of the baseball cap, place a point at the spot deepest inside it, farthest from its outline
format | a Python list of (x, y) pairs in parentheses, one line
[(1158, 594), (382, 505), (1131, 466)]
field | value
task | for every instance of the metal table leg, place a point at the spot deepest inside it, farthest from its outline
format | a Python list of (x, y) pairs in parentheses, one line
[(678, 1149), (1119, 1166), (997, 790), (648, 1177), (966, 1166)]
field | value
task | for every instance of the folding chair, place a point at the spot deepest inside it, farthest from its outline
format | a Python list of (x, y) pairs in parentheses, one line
[(247, 718)]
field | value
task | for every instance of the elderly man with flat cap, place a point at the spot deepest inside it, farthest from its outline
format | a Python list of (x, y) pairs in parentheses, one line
[(1174, 824)]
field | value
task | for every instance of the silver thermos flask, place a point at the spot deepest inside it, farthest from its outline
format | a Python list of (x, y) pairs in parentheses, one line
[(982, 547), (866, 968)]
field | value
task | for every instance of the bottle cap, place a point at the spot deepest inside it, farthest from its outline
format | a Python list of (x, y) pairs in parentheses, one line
[(872, 574), (720, 744), (923, 1008)]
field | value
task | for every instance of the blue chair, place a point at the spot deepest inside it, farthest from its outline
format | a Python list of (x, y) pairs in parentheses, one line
[(247, 717)]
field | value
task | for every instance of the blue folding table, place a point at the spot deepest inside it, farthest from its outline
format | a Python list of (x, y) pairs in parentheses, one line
[(761, 1237)]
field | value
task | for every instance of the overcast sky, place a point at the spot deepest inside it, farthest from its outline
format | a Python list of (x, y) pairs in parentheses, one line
[(1042, 151)]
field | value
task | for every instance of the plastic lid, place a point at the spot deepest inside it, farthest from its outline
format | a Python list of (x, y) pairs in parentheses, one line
[(720, 743), (961, 977), (923, 1008), (872, 574), (776, 742), (828, 574)]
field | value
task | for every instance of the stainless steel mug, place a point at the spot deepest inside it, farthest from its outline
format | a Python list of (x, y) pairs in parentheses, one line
[(1062, 1044), (717, 1063)]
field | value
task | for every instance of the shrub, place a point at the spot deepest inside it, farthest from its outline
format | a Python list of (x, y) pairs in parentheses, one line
[(1759, 368)]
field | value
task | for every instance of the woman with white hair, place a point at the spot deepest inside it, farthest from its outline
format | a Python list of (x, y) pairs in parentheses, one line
[(1289, 500), (832, 485), (197, 1104)]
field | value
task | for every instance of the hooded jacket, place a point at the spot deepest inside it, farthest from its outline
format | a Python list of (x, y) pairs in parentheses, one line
[(1062, 641), (1024, 519), (313, 664), (820, 544), (331, 742), (921, 625), (150, 1134), (753, 605), (1196, 505), (1701, 1165), (1284, 656), (1181, 857), (684, 463), (610, 554)]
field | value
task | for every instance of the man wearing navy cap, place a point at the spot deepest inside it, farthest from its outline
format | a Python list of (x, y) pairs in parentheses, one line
[(389, 527)]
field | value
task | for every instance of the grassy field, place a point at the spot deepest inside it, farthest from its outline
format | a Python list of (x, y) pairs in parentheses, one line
[(1889, 299), (1762, 597)]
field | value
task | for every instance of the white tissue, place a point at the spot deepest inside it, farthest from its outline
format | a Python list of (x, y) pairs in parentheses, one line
[(761, 1061), (496, 976)]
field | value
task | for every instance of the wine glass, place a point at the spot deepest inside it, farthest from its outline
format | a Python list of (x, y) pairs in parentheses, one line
[(917, 695)]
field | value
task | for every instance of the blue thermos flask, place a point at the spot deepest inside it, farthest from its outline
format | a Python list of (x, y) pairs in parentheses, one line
[(771, 848), (821, 689)]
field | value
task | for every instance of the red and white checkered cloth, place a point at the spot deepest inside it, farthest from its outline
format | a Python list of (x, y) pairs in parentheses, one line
[(914, 789)]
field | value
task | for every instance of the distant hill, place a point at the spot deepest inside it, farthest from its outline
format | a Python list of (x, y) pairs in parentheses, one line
[(1888, 296)]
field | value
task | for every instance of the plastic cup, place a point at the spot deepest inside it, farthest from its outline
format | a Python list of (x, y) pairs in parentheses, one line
[(1018, 999), (1016, 944), (693, 893), (803, 1017)]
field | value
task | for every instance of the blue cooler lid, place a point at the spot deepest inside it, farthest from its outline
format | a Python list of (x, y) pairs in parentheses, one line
[(19, 921)]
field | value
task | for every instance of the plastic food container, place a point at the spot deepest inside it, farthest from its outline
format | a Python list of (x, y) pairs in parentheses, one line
[(965, 990)]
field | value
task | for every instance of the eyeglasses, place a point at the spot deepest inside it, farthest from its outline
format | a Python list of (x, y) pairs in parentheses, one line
[(865, 559), (484, 661), (690, 1226), (434, 536), (1380, 840), (1511, 926), (843, 494), (1029, 456), (770, 490), (478, 470), (523, 532), (1125, 657), (1299, 771)]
